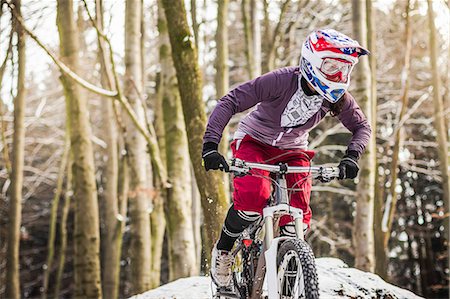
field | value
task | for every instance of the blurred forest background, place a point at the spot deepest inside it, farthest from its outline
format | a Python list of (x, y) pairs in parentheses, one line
[(103, 106)]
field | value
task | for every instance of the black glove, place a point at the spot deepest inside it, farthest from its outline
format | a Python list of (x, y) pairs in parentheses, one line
[(349, 165), (212, 159)]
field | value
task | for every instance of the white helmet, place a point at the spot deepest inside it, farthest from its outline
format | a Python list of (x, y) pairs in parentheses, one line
[(328, 58)]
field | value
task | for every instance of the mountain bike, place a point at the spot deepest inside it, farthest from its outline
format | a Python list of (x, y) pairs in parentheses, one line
[(268, 265)]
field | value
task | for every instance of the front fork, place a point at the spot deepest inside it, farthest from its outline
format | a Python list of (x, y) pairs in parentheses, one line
[(296, 213), (271, 243)]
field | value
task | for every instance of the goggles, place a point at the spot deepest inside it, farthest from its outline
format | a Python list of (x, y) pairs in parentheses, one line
[(336, 69)]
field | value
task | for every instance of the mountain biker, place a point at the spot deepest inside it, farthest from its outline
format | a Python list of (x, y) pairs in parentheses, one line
[(290, 102)]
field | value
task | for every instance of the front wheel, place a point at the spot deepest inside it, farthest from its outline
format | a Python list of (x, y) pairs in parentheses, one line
[(297, 275)]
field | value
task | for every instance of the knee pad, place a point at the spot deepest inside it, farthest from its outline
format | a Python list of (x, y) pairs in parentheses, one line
[(237, 221)]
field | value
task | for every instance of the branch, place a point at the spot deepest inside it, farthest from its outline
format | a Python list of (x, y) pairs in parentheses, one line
[(324, 135), (149, 134), (331, 148), (334, 190), (64, 68), (408, 114)]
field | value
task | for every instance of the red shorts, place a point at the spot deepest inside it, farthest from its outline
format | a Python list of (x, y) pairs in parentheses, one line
[(251, 193)]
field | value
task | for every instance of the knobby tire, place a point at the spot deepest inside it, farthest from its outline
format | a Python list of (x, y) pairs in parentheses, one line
[(305, 255)]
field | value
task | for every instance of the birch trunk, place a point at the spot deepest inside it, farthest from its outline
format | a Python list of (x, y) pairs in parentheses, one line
[(111, 238), (189, 83), (87, 264), (363, 226), (139, 193), (86, 234), (18, 148), (439, 122)]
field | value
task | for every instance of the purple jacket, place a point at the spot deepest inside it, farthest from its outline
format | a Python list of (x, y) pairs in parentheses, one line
[(277, 95)]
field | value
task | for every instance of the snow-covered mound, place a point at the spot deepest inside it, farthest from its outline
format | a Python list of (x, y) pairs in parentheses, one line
[(336, 280)]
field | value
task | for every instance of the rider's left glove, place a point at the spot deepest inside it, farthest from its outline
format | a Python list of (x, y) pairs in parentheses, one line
[(349, 165), (212, 159)]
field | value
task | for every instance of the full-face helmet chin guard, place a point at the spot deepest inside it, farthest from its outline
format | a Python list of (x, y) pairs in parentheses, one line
[(329, 44)]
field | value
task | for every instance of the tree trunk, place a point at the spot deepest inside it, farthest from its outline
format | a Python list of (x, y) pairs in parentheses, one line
[(249, 58), (139, 194), (86, 234), (195, 25), (363, 232), (182, 258), (256, 35), (379, 249), (18, 148), (63, 226), (221, 78), (189, 83), (439, 122), (111, 235), (197, 217), (3, 124), (54, 215), (272, 44), (391, 208), (158, 220), (266, 39), (380, 254)]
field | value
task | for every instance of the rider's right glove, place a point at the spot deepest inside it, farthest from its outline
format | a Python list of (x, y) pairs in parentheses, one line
[(348, 167), (212, 159)]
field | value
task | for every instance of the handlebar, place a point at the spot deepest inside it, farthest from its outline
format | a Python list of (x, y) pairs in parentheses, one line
[(326, 173)]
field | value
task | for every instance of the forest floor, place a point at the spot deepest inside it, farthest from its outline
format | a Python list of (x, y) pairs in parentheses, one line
[(336, 280)]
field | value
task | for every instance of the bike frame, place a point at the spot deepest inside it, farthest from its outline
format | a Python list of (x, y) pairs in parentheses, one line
[(281, 207)]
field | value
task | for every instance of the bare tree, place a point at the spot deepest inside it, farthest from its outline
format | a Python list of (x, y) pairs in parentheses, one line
[(391, 204), (111, 242), (63, 225), (53, 216), (379, 249), (248, 38), (272, 38), (139, 193), (222, 73), (439, 122), (184, 56), (86, 237), (18, 148), (255, 23), (182, 255), (363, 228)]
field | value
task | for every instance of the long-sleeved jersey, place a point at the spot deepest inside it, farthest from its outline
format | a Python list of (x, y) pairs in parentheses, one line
[(284, 114)]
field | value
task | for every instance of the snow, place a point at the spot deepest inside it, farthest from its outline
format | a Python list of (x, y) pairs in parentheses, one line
[(184, 288), (336, 280)]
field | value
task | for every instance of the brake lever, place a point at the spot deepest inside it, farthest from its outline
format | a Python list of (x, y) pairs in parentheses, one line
[(327, 175)]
